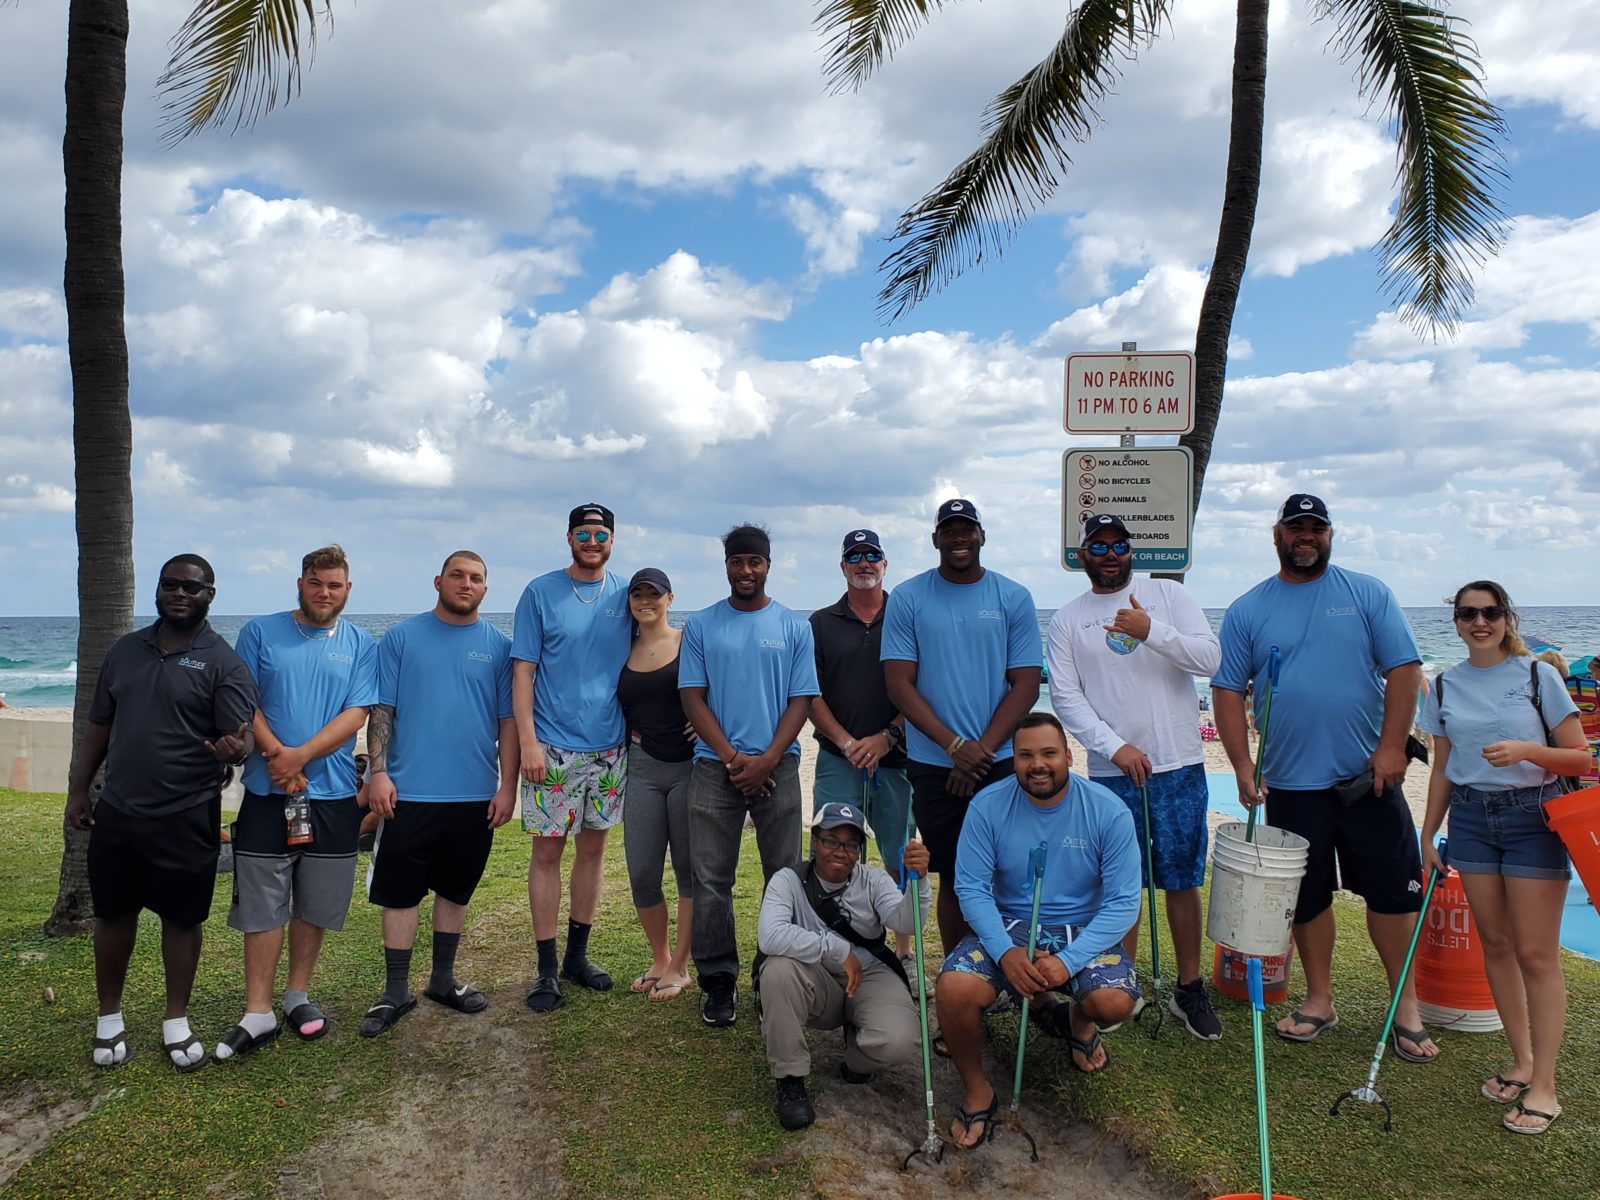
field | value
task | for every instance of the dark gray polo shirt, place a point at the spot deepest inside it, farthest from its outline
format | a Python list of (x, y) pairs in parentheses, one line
[(162, 709), (851, 676)]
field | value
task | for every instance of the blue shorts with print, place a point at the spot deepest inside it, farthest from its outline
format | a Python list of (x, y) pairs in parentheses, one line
[(1111, 969), (1179, 837), (1504, 833)]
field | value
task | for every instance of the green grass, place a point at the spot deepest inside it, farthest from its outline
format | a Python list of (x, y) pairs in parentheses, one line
[(650, 1104)]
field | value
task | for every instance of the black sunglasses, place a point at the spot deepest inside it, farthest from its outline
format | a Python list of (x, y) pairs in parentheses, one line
[(856, 556), (189, 587), (1101, 549), (1466, 614)]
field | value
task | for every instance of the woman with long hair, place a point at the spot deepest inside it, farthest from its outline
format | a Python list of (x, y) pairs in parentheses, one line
[(1492, 772)]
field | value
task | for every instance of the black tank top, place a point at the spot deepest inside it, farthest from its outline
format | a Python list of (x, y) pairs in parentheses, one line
[(654, 713)]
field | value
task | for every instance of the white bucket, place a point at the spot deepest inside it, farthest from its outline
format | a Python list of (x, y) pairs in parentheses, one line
[(1254, 886), (1463, 1020)]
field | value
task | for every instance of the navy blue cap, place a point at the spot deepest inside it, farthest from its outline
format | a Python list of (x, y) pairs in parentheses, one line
[(1099, 523), (951, 510), (831, 816), (652, 577), (1302, 504), (861, 539)]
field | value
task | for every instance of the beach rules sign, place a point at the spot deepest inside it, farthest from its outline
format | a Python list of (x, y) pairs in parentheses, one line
[(1151, 488)]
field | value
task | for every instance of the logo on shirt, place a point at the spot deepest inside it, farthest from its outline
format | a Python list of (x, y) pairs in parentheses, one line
[(1074, 843), (194, 664), (613, 612), (991, 614), (1341, 610), (336, 656), (770, 644), (1122, 643), (480, 656)]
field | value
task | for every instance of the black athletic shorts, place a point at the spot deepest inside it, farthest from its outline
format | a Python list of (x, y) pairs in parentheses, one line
[(425, 847), (940, 815), (166, 864), (1369, 848)]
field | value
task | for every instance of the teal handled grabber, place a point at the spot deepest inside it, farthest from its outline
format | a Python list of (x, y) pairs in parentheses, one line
[(1257, 1007), (1155, 939), (1273, 666), (1035, 869), (932, 1143)]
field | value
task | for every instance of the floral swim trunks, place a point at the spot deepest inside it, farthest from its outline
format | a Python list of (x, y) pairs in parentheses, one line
[(1111, 969), (582, 789)]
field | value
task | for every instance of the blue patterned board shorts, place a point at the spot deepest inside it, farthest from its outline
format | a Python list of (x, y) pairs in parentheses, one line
[(1178, 834), (1112, 969)]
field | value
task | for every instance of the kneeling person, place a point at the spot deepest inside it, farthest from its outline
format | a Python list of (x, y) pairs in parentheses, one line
[(1089, 897), (825, 961)]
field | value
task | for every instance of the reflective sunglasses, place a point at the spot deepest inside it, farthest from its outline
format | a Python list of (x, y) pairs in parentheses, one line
[(1101, 549), (1466, 614), (852, 847), (856, 556), (189, 587), (600, 535)]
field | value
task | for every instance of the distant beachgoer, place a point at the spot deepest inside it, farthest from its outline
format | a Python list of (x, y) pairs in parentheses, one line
[(660, 763), (442, 773), (1123, 659), (1492, 771), (171, 711), (1553, 656)]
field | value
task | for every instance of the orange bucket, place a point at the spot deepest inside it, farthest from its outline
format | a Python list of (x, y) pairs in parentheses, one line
[(1228, 969), (1576, 818), (1451, 985)]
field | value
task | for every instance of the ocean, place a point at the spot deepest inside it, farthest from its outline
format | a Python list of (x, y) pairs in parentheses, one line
[(38, 665)]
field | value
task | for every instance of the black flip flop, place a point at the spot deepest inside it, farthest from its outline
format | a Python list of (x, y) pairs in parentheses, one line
[(168, 1047), (464, 998), (1416, 1037), (380, 1018), (111, 1044), (241, 1041), (589, 975), (302, 1016), (545, 995), (1052, 1015), (1087, 1049), (969, 1119)]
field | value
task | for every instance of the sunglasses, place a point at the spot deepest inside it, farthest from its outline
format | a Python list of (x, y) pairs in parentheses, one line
[(856, 556), (189, 587), (1101, 549), (599, 535), (827, 843), (1466, 614)]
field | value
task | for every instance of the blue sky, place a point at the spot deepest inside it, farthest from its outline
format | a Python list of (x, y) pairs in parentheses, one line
[(488, 267)]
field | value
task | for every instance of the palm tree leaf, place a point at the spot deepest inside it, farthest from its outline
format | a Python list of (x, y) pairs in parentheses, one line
[(236, 59), (976, 210), (860, 34), (1450, 164)]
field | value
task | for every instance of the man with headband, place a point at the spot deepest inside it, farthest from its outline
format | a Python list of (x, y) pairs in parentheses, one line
[(747, 672)]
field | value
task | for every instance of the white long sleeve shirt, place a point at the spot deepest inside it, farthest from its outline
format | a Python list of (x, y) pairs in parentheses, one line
[(1111, 690)]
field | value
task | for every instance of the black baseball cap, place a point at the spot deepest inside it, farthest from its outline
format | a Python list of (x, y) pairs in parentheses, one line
[(861, 539), (1099, 523), (651, 577), (952, 510), (831, 816), (591, 514), (1302, 504)]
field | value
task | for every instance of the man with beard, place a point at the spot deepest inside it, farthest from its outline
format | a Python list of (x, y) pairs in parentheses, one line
[(318, 676), (1342, 708), (172, 706), (571, 639), (1122, 667), (858, 731), (746, 673), (442, 773), (961, 659), (1088, 897)]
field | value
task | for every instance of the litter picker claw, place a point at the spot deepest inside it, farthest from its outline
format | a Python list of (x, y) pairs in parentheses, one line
[(1036, 858)]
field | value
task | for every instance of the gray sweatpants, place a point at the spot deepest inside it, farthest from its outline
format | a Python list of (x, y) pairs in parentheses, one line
[(881, 1027), (655, 819)]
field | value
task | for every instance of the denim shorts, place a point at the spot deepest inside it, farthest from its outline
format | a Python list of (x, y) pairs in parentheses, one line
[(1112, 969), (1504, 833)]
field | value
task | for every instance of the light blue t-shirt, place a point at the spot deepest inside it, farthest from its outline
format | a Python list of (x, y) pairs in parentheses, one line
[(450, 686), (963, 637), (578, 634), (304, 684), (751, 665), (1091, 867), (1337, 636), (1483, 705)]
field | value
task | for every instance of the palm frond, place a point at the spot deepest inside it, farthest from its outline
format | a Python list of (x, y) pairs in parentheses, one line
[(977, 209), (236, 59), (860, 34), (1419, 61)]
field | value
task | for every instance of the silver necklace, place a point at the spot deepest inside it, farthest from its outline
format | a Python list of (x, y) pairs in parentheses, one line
[(301, 630), (573, 584)]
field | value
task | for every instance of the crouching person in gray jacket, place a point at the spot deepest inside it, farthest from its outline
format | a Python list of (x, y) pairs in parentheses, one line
[(824, 960)]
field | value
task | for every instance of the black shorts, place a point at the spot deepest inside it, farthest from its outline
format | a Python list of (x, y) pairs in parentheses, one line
[(166, 864), (1369, 848), (940, 815), (424, 847)]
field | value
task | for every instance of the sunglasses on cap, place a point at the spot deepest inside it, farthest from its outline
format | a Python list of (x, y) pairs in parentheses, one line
[(189, 587), (601, 536), (1101, 549), (856, 556), (1466, 614)]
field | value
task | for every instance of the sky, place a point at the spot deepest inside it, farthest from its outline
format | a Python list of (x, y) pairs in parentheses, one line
[(501, 258)]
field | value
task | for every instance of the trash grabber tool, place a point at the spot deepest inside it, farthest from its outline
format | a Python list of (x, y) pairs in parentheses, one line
[(1257, 1007), (1367, 1093), (1273, 665), (1036, 869), (932, 1143), (1155, 940)]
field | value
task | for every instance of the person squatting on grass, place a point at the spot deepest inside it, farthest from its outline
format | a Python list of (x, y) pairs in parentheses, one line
[(824, 961), (172, 706), (442, 745), (1334, 749), (1492, 771), (318, 677), (1089, 897), (571, 639), (1122, 667)]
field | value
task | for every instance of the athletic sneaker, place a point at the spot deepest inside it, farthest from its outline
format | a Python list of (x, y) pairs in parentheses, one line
[(1192, 1005), (719, 1008), (793, 1106)]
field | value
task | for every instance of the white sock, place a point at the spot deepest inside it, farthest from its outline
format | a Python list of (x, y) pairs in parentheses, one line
[(255, 1024), (108, 1027), (175, 1030)]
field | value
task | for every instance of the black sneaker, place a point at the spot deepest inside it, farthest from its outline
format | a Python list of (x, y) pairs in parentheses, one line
[(718, 1008), (856, 1077), (1191, 1004), (793, 1106)]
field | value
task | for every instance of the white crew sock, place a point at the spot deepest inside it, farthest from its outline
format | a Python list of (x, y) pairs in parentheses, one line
[(108, 1027), (255, 1024), (176, 1031)]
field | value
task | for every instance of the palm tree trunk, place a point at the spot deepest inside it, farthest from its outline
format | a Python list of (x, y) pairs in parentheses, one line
[(1234, 230), (102, 427)]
